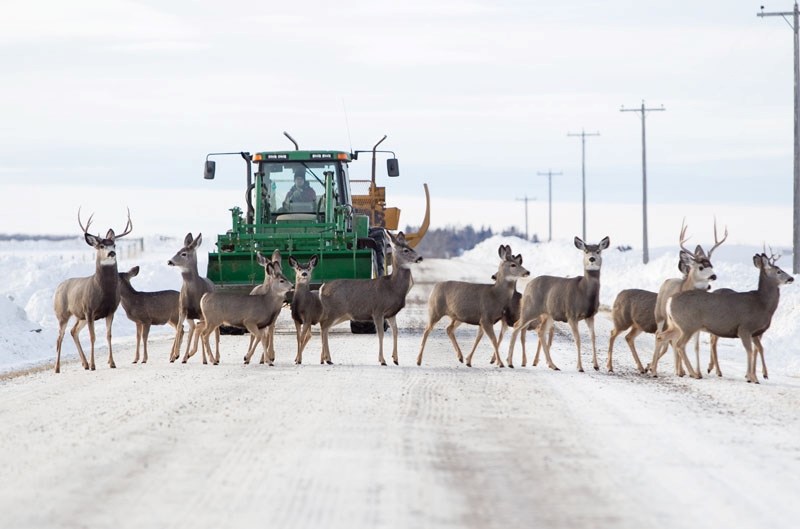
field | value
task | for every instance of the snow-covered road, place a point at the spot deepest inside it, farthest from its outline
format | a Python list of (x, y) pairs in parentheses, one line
[(359, 445)]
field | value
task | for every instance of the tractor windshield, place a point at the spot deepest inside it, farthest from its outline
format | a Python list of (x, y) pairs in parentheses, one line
[(296, 187)]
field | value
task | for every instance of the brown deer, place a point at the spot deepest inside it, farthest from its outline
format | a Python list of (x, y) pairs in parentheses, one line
[(573, 299), (375, 300), (147, 308), (90, 298), (698, 273), (256, 313), (192, 290), (475, 304), (306, 306), (633, 309), (728, 314), (263, 289)]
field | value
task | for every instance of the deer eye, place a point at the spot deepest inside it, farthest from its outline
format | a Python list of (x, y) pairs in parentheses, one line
[(513, 266), (701, 268), (183, 254)]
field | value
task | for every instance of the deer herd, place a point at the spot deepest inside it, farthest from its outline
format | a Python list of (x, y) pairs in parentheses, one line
[(681, 309)]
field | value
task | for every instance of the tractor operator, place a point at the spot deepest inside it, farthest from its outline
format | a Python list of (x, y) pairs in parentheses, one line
[(300, 191)]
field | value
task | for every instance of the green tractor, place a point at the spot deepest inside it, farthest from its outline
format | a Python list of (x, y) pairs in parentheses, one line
[(300, 202)]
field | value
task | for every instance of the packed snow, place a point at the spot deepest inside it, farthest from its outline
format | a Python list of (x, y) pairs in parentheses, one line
[(32, 270)]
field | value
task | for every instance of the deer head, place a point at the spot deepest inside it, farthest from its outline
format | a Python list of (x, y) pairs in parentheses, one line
[(105, 246)]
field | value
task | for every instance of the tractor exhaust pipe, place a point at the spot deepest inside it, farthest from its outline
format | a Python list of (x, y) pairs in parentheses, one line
[(296, 146)]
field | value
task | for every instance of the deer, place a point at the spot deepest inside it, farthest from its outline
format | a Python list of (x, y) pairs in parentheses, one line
[(475, 304), (192, 290), (263, 289), (572, 299), (147, 308), (633, 309), (698, 273), (254, 312), (91, 298), (378, 299), (306, 305), (729, 314)]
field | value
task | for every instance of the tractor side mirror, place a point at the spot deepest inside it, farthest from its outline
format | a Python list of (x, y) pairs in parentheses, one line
[(393, 167), (211, 167)]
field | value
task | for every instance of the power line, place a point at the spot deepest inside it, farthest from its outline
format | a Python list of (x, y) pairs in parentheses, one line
[(549, 174), (583, 135), (796, 220), (643, 111)]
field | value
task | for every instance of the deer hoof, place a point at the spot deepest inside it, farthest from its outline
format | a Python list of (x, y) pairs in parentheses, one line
[(330, 363), (596, 368), (510, 366), (396, 362), (383, 363), (468, 364)]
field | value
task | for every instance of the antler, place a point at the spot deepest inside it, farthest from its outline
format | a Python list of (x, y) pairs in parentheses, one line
[(773, 258), (89, 223), (128, 227), (717, 242), (684, 238)]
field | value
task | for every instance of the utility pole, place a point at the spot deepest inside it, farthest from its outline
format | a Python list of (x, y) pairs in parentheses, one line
[(549, 174), (526, 200), (643, 110), (795, 14), (583, 135)]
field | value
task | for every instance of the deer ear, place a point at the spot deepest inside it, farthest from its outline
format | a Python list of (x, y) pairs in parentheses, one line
[(276, 256), (401, 238), (197, 240), (494, 277), (579, 243), (292, 261), (698, 251), (314, 260), (110, 234), (188, 239), (269, 269), (261, 259), (91, 240), (134, 271), (518, 259), (604, 243)]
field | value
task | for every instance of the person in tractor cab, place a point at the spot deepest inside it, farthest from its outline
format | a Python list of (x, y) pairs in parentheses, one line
[(300, 191)]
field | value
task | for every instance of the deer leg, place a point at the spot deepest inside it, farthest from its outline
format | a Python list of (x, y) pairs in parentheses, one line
[(697, 353), (545, 327), (680, 348), (75, 332), (145, 337), (451, 333), (193, 333), (393, 326), (176, 344), (326, 352), (523, 333), (109, 321), (203, 333), (250, 346), (662, 343), (377, 319), (609, 361), (138, 340), (90, 323), (488, 328), (298, 359), (760, 351), (549, 343), (62, 327), (590, 324), (631, 339), (751, 357), (575, 334), (478, 337), (194, 338), (714, 360), (305, 337), (271, 337)]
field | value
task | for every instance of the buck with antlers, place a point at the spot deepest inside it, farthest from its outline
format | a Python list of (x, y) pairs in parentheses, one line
[(90, 298), (698, 273), (475, 304), (375, 300), (146, 309), (570, 300), (192, 290), (729, 314)]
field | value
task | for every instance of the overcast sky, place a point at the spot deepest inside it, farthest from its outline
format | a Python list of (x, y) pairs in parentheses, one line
[(476, 97)]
